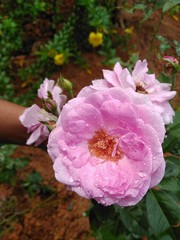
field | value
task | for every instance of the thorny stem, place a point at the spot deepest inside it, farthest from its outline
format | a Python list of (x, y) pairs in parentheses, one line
[(154, 35)]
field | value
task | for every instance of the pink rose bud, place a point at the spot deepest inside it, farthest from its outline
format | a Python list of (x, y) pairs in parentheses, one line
[(48, 89), (66, 85), (50, 106), (171, 66), (170, 59)]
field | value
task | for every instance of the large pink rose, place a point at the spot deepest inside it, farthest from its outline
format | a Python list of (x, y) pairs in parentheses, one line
[(107, 145), (143, 83)]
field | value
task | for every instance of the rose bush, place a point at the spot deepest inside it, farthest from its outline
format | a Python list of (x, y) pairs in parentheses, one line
[(107, 145)]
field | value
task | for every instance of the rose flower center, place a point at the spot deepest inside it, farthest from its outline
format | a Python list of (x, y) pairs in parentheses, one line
[(140, 89), (105, 146)]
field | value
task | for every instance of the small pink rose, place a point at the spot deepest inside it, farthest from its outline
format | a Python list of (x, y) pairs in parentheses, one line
[(142, 83), (31, 119)]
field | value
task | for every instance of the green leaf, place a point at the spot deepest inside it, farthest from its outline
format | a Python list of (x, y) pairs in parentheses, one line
[(164, 78), (172, 185), (156, 217), (176, 120), (172, 142), (177, 47), (132, 222), (170, 4), (172, 167), (108, 230), (169, 206), (21, 162), (166, 237), (147, 15)]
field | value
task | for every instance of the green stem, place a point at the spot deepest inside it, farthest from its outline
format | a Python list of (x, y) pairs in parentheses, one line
[(173, 81), (154, 35)]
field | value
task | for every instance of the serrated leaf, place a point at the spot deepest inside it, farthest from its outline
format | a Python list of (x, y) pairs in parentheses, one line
[(172, 142), (170, 4), (172, 185), (172, 167), (169, 206), (155, 215), (176, 121), (131, 222)]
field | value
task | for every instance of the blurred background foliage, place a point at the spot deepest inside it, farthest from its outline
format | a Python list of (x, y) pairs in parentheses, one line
[(38, 37)]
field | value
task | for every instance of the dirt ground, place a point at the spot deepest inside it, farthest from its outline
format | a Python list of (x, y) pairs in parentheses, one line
[(62, 215)]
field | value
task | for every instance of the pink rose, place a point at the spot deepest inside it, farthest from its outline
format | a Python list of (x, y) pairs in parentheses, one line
[(143, 83), (31, 118), (107, 145), (49, 86)]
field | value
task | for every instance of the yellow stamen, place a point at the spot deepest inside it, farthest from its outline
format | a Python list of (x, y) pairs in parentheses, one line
[(105, 146)]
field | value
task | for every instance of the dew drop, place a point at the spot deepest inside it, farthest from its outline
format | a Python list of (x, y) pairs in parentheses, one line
[(71, 180), (73, 147), (103, 202), (142, 174), (65, 158), (136, 181), (64, 149)]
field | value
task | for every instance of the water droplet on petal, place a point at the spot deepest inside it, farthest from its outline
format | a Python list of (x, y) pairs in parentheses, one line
[(136, 181), (73, 147), (103, 202), (142, 174), (71, 180), (65, 158), (64, 149)]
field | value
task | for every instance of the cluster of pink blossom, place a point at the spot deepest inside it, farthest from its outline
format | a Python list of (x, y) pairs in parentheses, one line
[(107, 143), (38, 121)]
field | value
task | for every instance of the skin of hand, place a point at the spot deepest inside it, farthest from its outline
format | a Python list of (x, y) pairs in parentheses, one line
[(11, 129)]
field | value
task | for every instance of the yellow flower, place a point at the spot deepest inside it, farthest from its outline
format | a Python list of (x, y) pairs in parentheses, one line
[(175, 18), (59, 59), (95, 39), (129, 30)]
